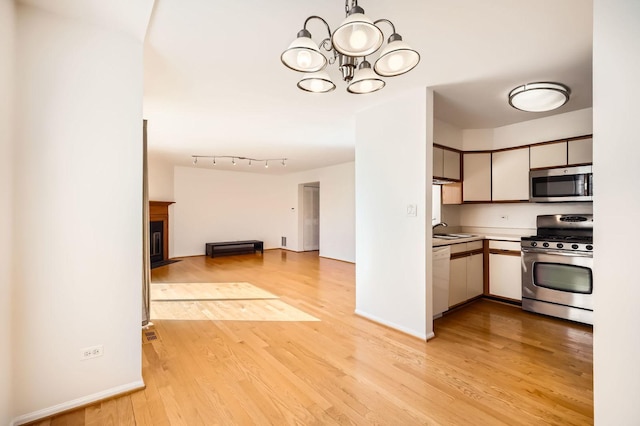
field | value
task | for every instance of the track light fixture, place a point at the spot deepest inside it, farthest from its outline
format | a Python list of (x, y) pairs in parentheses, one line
[(236, 158), (355, 38)]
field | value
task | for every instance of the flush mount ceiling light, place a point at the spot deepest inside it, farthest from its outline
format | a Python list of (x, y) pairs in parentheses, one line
[(539, 97), (349, 45)]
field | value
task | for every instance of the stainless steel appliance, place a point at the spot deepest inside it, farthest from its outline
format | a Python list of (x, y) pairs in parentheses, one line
[(561, 184), (557, 267)]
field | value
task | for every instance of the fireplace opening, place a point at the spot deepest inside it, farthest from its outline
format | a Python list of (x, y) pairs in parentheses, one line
[(156, 237)]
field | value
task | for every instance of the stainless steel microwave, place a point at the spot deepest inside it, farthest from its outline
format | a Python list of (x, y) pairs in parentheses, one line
[(561, 184)]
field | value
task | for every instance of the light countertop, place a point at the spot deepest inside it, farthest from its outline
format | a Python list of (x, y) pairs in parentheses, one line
[(477, 236)]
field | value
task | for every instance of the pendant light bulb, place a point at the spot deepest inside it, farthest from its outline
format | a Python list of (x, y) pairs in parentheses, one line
[(233, 161), (214, 161), (283, 163), (266, 164), (195, 160)]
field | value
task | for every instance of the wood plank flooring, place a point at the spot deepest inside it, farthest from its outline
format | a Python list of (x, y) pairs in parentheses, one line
[(489, 364)]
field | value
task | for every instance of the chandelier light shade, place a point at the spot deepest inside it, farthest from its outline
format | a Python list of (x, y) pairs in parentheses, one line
[(396, 58), (357, 35), (303, 54), (539, 97), (365, 80), (356, 38), (317, 82)]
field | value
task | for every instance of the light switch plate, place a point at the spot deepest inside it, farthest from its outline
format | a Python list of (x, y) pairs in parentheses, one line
[(412, 210)]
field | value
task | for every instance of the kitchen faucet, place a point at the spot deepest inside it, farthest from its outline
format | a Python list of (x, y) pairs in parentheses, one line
[(440, 224)]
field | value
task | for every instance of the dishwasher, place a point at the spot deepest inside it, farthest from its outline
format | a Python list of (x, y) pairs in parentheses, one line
[(441, 257)]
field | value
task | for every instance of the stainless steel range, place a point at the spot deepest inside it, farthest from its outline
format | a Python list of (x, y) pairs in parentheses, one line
[(557, 267)]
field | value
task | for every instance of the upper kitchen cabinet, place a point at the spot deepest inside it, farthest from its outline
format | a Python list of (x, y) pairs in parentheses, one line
[(580, 151), (446, 163), (477, 176), (549, 155), (564, 153), (510, 175)]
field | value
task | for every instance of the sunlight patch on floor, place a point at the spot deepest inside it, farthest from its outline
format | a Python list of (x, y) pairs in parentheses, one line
[(220, 302)]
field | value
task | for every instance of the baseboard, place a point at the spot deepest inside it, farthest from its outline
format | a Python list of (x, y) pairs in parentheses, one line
[(79, 402), (396, 327)]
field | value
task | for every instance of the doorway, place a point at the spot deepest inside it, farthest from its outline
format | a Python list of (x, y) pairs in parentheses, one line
[(310, 216)]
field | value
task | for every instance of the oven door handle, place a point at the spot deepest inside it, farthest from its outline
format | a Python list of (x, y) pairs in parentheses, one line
[(560, 252)]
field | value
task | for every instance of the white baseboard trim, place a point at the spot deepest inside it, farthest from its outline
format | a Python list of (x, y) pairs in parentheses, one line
[(79, 402), (394, 326)]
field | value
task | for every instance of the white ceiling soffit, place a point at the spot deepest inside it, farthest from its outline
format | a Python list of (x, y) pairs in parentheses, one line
[(214, 83), (131, 17)]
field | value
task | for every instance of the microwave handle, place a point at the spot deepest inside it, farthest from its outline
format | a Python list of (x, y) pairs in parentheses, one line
[(586, 185)]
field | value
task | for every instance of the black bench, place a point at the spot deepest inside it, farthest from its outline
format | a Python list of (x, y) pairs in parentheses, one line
[(234, 247)]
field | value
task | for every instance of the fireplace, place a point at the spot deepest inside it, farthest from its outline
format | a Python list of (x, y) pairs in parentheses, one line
[(159, 230), (156, 238)]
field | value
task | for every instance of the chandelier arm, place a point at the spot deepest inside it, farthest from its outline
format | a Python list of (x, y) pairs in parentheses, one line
[(393, 28), (320, 18)]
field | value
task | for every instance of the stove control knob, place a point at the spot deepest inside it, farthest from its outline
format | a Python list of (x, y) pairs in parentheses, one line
[(589, 247), (533, 244), (575, 246), (545, 245), (560, 245)]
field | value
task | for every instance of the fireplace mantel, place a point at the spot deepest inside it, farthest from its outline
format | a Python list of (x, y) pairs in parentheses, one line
[(159, 211)]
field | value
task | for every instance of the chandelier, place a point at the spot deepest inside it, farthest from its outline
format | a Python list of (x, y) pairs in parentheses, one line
[(349, 45)]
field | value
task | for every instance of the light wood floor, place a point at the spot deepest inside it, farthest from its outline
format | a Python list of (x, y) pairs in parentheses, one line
[(489, 364)]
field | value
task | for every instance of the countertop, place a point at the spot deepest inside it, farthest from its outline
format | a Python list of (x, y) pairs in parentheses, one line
[(437, 242)]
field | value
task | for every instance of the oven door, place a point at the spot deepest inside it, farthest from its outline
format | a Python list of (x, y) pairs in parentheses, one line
[(559, 277)]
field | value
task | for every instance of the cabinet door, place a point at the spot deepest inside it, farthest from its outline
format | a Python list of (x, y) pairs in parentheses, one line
[(477, 177), (438, 162), (581, 151), (510, 175), (549, 155), (457, 281), (475, 276), (505, 276), (451, 164)]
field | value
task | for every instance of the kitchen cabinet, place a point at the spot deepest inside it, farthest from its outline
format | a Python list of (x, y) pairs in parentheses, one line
[(505, 273), (465, 272), (510, 175), (476, 176), (548, 155), (580, 151), (438, 162), (446, 163)]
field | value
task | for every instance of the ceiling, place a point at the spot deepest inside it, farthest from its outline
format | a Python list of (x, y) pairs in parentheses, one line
[(214, 83)]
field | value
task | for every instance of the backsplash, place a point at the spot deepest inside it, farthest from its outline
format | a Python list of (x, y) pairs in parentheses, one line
[(507, 215)]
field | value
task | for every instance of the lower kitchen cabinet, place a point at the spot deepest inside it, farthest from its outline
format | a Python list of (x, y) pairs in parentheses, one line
[(505, 273), (465, 272)]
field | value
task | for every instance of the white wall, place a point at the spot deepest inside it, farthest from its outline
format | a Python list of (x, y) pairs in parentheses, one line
[(616, 66), (569, 124), (391, 277), (78, 211), (574, 123), (160, 177), (514, 215), (7, 30), (213, 205), (447, 134), (337, 210)]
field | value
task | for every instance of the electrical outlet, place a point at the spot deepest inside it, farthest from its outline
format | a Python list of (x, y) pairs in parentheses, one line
[(91, 352)]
